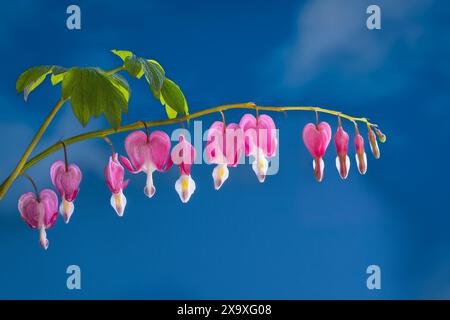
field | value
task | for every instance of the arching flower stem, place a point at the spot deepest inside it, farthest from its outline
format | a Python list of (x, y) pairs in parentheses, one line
[(139, 125)]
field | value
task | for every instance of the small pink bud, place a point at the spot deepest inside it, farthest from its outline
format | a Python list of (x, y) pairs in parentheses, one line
[(114, 177), (342, 160), (183, 155), (361, 158)]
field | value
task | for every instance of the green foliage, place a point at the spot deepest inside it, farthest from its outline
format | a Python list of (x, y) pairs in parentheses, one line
[(93, 92), (33, 77), (163, 89)]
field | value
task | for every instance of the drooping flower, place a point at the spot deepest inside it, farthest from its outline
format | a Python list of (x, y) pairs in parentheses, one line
[(342, 160), (66, 178), (260, 142), (183, 155), (147, 153), (114, 175), (361, 158), (374, 144), (316, 138), (39, 212), (224, 148)]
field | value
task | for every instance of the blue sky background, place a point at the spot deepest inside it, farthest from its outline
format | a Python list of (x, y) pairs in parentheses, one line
[(289, 238)]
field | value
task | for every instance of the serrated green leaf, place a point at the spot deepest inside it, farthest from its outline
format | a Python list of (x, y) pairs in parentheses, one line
[(154, 74), (173, 97), (93, 92), (31, 78)]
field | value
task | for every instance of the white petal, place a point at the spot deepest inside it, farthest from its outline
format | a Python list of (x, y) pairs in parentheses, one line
[(260, 166), (66, 209), (43, 238), (322, 166), (365, 161), (118, 202), (185, 187), (220, 175), (149, 189), (347, 163)]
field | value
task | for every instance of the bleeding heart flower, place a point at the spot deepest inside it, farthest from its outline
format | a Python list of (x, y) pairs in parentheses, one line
[(183, 155), (66, 178), (260, 142), (316, 139), (114, 175), (361, 158), (39, 212), (374, 144), (224, 148), (147, 153), (342, 160)]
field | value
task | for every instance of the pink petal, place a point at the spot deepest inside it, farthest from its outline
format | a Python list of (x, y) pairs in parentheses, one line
[(114, 174), (50, 202), (160, 145), (127, 164), (70, 181), (341, 142), (317, 139), (183, 155), (28, 208), (135, 145), (56, 170), (248, 123)]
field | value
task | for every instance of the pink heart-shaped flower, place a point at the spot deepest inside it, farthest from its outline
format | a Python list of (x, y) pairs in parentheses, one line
[(316, 139)]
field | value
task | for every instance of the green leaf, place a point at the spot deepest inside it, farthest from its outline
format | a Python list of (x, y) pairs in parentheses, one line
[(123, 54), (58, 74), (93, 92), (154, 74), (132, 63), (173, 98), (31, 78)]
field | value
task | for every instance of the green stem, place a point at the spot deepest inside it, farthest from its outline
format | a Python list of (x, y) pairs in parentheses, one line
[(19, 167)]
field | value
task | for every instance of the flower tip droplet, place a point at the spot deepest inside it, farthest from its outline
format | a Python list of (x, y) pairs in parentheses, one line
[(150, 191)]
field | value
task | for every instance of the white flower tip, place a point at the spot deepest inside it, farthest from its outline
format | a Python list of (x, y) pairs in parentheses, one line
[(362, 165), (185, 187), (149, 191), (343, 170), (118, 202), (220, 175), (260, 166), (43, 238), (66, 209), (318, 172)]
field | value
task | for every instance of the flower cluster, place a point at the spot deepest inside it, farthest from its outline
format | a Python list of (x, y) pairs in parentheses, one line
[(256, 137), (318, 136)]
